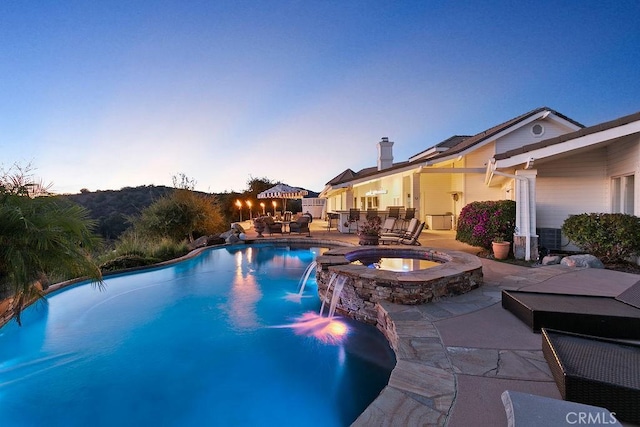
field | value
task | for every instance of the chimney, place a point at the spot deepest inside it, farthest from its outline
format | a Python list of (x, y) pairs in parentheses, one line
[(385, 153)]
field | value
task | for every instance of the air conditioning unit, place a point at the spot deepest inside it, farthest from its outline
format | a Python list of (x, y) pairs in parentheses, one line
[(549, 238)]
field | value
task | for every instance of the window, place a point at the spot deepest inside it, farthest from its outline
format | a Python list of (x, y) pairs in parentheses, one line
[(370, 202), (623, 195)]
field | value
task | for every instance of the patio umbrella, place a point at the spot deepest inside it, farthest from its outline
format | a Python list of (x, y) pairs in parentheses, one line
[(284, 192)]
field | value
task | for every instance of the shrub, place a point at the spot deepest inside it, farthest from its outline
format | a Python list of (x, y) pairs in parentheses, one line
[(127, 261), (167, 249), (610, 237), (481, 222)]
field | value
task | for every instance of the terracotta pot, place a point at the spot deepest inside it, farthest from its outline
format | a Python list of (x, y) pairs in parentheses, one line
[(367, 240), (501, 249)]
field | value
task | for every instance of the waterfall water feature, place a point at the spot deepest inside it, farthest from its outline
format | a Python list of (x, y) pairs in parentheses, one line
[(332, 279), (338, 284), (337, 289), (305, 277)]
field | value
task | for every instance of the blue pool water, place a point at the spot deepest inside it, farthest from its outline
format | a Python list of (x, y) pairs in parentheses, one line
[(220, 339)]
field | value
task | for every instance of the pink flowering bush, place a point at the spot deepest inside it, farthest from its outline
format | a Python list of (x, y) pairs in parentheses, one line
[(481, 222)]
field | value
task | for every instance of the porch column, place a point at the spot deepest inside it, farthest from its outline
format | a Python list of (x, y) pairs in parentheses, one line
[(348, 195), (525, 239), (415, 193)]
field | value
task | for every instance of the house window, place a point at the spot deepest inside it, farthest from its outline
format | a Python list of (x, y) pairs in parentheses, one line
[(369, 202), (623, 194)]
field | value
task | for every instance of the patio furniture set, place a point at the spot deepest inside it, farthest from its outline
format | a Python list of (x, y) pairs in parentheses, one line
[(299, 225), (591, 344)]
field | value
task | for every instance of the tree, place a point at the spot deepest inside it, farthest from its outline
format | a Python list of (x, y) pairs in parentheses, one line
[(41, 237)]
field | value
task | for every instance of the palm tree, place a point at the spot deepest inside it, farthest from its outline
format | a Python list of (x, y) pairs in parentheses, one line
[(40, 238)]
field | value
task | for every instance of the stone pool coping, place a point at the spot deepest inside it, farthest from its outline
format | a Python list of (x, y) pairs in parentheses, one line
[(456, 262)]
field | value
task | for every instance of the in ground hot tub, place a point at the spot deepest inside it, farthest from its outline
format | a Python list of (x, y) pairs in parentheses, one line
[(398, 260), (454, 273)]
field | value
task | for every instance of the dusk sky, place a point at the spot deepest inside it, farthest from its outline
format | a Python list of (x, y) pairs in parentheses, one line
[(107, 94)]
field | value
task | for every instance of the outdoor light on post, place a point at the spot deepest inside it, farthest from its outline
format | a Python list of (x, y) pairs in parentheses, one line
[(274, 207), (250, 213), (239, 205), (262, 206)]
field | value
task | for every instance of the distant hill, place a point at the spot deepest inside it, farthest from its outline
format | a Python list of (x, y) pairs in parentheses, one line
[(111, 208)]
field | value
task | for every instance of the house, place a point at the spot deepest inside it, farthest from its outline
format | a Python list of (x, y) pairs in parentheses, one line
[(551, 165)]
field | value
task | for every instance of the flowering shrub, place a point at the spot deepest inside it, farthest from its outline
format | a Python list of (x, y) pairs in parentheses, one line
[(371, 227), (481, 222), (609, 237)]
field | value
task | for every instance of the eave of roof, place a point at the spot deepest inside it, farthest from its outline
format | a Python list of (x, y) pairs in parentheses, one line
[(489, 133), (569, 136)]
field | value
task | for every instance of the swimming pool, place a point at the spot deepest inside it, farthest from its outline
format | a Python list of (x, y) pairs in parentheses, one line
[(213, 340)]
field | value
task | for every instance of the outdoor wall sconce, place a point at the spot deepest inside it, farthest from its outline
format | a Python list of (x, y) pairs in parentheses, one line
[(455, 195)]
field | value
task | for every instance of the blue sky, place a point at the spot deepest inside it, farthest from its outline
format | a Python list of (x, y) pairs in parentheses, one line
[(108, 94)]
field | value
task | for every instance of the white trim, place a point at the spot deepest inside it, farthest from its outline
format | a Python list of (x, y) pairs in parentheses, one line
[(570, 145)]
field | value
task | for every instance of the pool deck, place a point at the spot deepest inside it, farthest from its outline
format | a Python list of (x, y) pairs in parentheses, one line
[(456, 356)]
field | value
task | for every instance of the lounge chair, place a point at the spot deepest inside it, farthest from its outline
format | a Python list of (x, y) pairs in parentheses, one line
[(272, 226), (409, 214), (301, 225), (407, 239), (595, 371), (388, 226), (613, 317), (413, 225)]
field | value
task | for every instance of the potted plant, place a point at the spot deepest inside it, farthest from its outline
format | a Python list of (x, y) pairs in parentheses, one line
[(500, 247), (259, 225), (369, 232)]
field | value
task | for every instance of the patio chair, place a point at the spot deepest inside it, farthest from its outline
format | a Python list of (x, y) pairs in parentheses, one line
[(332, 220), (595, 371), (287, 216), (523, 410), (301, 225), (371, 213), (409, 214), (613, 317), (354, 217), (272, 226), (394, 212), (407, 239)]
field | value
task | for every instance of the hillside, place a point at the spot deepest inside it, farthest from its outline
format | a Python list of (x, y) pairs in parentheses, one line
[(111, 208)]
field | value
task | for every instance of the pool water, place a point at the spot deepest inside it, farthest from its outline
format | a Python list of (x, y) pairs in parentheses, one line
[(214, 340)]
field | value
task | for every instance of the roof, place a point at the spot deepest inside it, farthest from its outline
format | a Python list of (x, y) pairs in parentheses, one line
[(441, 146), (569, 136), (455, 144), (491, 132)]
